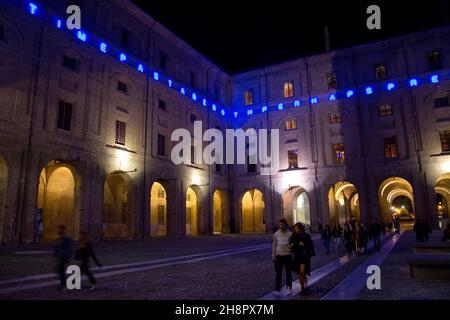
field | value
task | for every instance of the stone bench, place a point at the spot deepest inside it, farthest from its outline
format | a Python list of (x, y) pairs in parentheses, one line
[(434, 267), (432, 248)]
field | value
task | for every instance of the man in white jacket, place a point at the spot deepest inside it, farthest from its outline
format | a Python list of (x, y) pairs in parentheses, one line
[(281, 256)]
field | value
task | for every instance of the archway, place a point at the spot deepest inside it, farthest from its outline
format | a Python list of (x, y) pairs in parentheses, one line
[(192, 212), (396, 198), (220, 209), (296, 206), (442, 189), (117, 210), (158, 210), (57, 199), (3, 186), (253, 212), (343, 202)]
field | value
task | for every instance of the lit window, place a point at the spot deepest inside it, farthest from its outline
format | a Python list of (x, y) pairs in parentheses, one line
[(380, 71), (122, 87), (434, 60), (293, 158), (441, 102), (291, 125), (332, 80), (65, 116), (161, 148), (390, 147), (248, 97), (120, 132), (338, 153), (288, 89), (335, 118), (385, 110), (70, 63), (445, 140)]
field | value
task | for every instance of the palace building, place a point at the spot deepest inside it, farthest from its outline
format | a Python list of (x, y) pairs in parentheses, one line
[(86, 118)]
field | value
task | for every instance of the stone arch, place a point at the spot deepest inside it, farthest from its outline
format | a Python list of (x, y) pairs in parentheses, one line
[(252, 207), (442, 190), (220, 212), (391, 189), (296, 206), (158, 210), (343, 202), (194, 211)]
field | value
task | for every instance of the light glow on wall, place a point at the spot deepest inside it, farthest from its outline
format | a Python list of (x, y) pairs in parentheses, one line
[(123, 57), (194, 97), (222, 112), (156, 76), (214, 107), (103, 47), (314, 100), (413, 82), (169, 83), (264, 109), (332, 97), (249, 112), (140, 68), (390, 86), (235, 114), (280, 106), (33, 8), (297, 103), (183, 91), (204, 102), (369, 90), (350, 93), (434, 78), (82, 36), (59, 23)]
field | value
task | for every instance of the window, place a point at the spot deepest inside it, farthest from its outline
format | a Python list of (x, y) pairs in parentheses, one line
[(193, 118), (193, 80), (335, 118), (338, 153), (70, 63), (251, 167), (445, 140), (122, 87), (120, 132), (163, 58), (248, 97), (291, 125), (65, 116), (162, 104), (161, 145), (288, 89), (216, 93), (434, 60), (441, 102), (2, 32), (385, 110), (380, 71), (124, 38), (390, 147), (332, 80), (293, 158)]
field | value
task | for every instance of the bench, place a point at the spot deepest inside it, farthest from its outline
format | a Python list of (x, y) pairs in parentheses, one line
[(434, 248), (434, 267)]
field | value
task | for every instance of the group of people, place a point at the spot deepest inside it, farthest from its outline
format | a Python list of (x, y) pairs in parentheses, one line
[(64, 253), (292, 251), (354, 236)]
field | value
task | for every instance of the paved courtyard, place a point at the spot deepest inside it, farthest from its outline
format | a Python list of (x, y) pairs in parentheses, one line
[(219, 267)]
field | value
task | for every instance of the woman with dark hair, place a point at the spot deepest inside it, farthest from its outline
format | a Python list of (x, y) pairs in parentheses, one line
[(303, 249)]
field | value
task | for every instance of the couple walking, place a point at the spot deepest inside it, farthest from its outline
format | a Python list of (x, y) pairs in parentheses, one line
[(291, 251)]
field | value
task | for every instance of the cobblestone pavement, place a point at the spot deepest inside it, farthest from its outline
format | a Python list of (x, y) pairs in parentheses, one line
[(247, 275), (396, 283)]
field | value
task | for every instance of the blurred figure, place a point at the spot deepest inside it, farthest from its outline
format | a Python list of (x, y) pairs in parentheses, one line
[(38, 227), (326, 237), (357, 238), (418, 229), (446, 234), (364, 237), (303, 249), (320, 229), (374, 234), (84, 252), (348, 238), (397, 225), (426, 230), (63, 254), (282, 256), (337, 234)]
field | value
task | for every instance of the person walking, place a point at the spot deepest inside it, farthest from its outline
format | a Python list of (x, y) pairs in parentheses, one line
[(426, 230), (38, 228), (337, 235), (63, 254), (375, 233), (84, 252), (326, 237), (348, 239), (303, 249), (397, 225), (282, 256), (357, 238)]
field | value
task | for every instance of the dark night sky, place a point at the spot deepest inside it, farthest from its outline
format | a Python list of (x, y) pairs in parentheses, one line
[(243, 35)]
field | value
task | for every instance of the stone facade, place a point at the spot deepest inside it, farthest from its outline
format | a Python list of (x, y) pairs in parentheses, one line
[(81, 174)]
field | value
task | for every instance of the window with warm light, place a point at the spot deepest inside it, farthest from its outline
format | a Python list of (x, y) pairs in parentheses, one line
[(434, 60), (445, 140), (120, 132), (248, 97), (380, 71), (335, 118), (385, 110), (288, 89), (390, 147), (338, 153), (290, 125), (332, 80), (293, 158)]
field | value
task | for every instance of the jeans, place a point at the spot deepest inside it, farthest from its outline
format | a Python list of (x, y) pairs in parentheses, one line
[(326, 243), (61, 270), (286, 263)]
